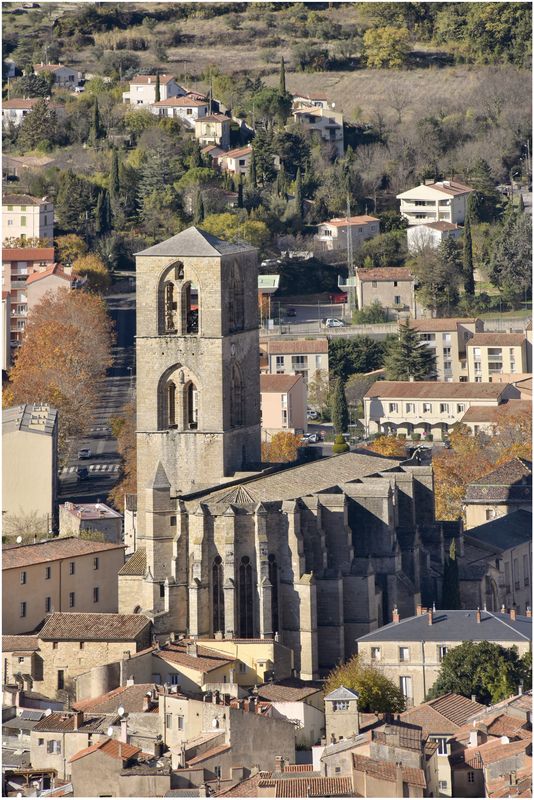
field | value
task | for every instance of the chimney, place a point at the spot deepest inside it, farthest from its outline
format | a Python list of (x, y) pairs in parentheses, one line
[(279, 764), (146, 701), (124, 731), (191, 649), (478, 617), (395, 615), (78, 720), (172, 637), (430, 616), (473, 699), (203, 790), (130, 681), (399, 783), (474, 738), (419, 610), (529, 612), (513, 614), (513, 778), (503, 609)]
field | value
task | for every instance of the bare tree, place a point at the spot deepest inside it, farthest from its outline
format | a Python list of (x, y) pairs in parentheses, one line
[(398, 97)]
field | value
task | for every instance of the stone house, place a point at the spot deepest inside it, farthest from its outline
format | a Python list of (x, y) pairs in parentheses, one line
[(300, 703), (431, 234), (64, 77), (392, 287), (493, 354), (192, 666), (58, 575), (501, 491), (448, 339), (305, 357), (442, 201), (334, 234), (341, 715), (237, 161), (284, 400), (428, 407), (26, 217), (213, 129), (410, 651), (142, 92), (183, 107), (59, 735), (75, 517)]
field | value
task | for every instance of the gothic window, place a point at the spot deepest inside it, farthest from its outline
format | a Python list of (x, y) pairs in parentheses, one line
[(236, 301), (171, 404), (191, 406), (190, 309), (236, 398), (218, 595), (170, 308), (245, 599), (273, 578)]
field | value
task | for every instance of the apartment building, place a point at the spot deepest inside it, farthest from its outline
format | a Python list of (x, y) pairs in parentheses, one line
[(410, 651), (323, 123), (428, 408), (182, 107), (392, 287), (442, 201), (501, 491), (492, 354), (335, 233), (66, 574), (283, 401), (26, 217), (303, 357), (142, 92), (213, 129), (18, 264), (448, 338), (6, 331), (431, 234)]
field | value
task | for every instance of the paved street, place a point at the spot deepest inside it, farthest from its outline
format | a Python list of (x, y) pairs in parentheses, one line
[(116, 391), (307, 319)]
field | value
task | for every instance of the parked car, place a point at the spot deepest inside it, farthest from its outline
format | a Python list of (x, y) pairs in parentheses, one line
[(314, 438), (82, 473), (311, 414), (84, 453), (291, 312), (334, 323), (270, 262)]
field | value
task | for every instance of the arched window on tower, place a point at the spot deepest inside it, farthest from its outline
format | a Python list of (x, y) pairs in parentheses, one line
[(246, 614), (236, 301), (273, 578), (171, 404), (170, 308), (191, 406), (236, 398), (218, 595), (190, 308)]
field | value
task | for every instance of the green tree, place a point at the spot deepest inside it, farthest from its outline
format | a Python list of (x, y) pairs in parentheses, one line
[(361, 354), (450, 598), (263, 156), (485, 201), (103, 213), (386, 47), (340, 445), (377, 694), (408, 358), (240, 192), (440, 271), (38, 127), (75, 202), (282, 85), (299, 199), (198, 216), (97, 131), (252, 169), (469, 272), (371, 314), (511, 259), (270, 106), (486, 670), (339, 409), (32, 86), (158, 88)]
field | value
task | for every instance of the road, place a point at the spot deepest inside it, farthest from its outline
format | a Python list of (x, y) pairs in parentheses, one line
[(307, 319), (117, 390)]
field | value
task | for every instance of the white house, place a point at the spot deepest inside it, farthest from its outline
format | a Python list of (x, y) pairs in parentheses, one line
[(143, 90), (27, 217), (323, 122), (443, 201), (64, 77), (184, 107), (17, 108), (334, 234), (431, 234), (236, 161), (315, 100)]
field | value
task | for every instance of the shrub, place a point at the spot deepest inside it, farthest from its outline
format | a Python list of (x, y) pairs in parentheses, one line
[(416, 437), (429, 437), (340, 445), (401, 436)]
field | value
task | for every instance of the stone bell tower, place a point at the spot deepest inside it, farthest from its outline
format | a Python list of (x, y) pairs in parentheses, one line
[(198, 397)]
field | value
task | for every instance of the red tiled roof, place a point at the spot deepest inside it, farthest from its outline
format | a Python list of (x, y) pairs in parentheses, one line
[(151, 79), (110, 747), (131, 698), (455, 707), (339, 222), (178, 102), (450, 187), (12, 644), (25, 555), (28, 254), (214, 118), (278, 383), (24, 200), (387, 770), (69, 626), (314, 787), (21, 102), (441, 225), (506, 725), (238, 152), (496, 413), (496, 340), (215, 751), (437, 390), (298, 346), (55, 269), (247, 788), (445, 324), (206, 660), (385, 274)]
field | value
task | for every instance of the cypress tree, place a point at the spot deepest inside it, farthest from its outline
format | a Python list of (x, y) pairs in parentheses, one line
[(252, 170), (282, 77), (96, 131), (450, 596), (100, 214), (469, 276), (340, 411), (299, 198), (158, 88), (240, 192), (114, 181), (199, 214), (408, 357), (521, 204)]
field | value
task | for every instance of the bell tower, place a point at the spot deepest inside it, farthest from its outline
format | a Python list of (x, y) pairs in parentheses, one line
[(197, 348)]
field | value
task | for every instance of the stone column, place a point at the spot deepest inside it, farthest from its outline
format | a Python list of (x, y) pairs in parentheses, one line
[(262, 569), (229, 585)]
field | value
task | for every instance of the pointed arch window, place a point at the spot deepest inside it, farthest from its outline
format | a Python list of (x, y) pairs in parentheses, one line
[(171, 404), (191, 406), (236, 301), (273, 579), (236, 399), (190, 308), (246, 616), (170, 308), (218, 595)]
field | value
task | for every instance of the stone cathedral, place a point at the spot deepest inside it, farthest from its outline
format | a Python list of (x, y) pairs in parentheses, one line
[(316, 554)]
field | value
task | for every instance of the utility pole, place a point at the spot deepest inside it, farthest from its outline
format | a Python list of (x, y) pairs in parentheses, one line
[(350, 261)]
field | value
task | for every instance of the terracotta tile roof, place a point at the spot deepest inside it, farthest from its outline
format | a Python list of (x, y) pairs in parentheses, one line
[(314, 787), (67, 626), (455, 707), (493, 751), (136, 564), (214, 118), (49, 67), (54, 269), (492, 339), (110, 747), (12, 644), (180, 102), (278, 383), (450, 187), (446, 324), (297, 346), (436, 390), (387, 770), (496, 413), (28, 254), (131, 698), (25, 555), (506, 725), (247, 788), (238, 152), (206, 660), (298, 767), (441, 225), (287, 692), (506, 483), (339, 222), (151, 79), (311, 95), (215, 751), (23, 200), (63, 721), (385, 274)]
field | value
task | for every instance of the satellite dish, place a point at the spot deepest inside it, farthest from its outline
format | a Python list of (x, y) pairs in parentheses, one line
[(19, 540), (110, 731), (121, 711), (48, 712)]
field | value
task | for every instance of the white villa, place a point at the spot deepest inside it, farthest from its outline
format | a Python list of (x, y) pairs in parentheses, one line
[(443, 201), (143, 90)]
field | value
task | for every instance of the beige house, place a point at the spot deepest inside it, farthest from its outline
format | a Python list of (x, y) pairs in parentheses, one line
[(51, 279), (410, 651), (503, 490), (58, 575), (301, 703), (142, 90), (283, 403), (75, 517), (58, 736), (442, 201), (334, 234), (114, 768), (236, 161), (427, 407), (64, 77), (29, 446), (192, 666), (392, 287), (448, 338), (15, 109), (213, 129), (311, 100), (183, 107), (322, 123), (488, 418), (26, 217), (298, 356), (431, 234), (492, 354)]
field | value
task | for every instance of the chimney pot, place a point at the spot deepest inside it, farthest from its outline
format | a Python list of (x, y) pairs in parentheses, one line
[(529, 612), (395, 617), (419, 610), (513, 614), (478, 616), (78, 720), (430, 616)]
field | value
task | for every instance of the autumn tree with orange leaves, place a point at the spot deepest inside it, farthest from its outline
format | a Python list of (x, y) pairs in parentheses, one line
[(123, 429), (388, 446), (471, 457), (282, 449), (63, 359)]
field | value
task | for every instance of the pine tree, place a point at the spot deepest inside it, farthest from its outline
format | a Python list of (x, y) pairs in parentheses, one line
[(195, 159), (408, 358), (282, 77), (39, 126), (340, 411), (450, 598), (198, 216), (252, 170), (469, 275), (158, 89), (299, 198), (75, 202)]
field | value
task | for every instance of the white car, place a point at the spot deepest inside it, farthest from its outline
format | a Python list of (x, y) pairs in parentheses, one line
[(334, 323), (84, 453)]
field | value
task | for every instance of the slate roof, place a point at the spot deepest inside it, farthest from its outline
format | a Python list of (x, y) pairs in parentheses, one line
[(11, 644), (195, 242), (278, 383), (502, 483), (131, 698), (110, 747), (505, 532), (93, 627), (136, 565), (51, 550), (341, 693), (454, 626), (387, 770)]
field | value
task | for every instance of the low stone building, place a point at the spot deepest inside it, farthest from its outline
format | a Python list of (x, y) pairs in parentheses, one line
[(503, 490), (59, 735), (300, 703), (77, 517)]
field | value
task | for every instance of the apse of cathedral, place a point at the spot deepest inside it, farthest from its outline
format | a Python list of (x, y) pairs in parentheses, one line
[(312, 555)]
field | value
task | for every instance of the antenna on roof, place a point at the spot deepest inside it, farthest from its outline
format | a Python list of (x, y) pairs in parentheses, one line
[(120, 711), (110, 731), (18, 539)]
